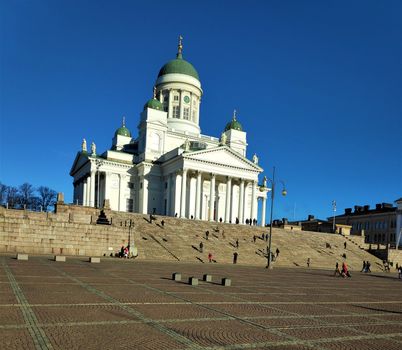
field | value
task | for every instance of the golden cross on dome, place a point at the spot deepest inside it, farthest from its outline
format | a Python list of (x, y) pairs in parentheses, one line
[(124, 121), (154, 91), (234, 114)]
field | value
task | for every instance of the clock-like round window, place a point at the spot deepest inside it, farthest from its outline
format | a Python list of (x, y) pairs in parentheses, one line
[(186, 99)]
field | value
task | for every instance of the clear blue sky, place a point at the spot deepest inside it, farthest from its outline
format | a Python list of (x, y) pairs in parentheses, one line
[(317, 86)]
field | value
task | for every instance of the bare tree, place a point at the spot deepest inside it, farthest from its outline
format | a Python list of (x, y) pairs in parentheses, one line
[(12, 196), (26, 194), (47, 196), (3, 193)]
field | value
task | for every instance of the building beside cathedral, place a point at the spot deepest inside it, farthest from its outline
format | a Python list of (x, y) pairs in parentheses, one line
[(170, 168)]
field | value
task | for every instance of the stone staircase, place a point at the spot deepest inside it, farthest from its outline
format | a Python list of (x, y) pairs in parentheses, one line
[(179, 239)]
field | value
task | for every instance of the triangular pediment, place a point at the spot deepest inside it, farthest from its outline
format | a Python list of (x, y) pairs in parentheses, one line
[(223, 155), (80, 159)]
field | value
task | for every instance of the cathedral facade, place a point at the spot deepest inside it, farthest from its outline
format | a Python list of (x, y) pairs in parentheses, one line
[(170, 168)]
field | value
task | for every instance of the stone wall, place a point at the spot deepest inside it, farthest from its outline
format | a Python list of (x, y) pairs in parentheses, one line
[(70, 230), (395, 255)]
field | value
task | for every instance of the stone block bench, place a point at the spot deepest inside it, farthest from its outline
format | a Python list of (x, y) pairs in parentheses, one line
[(22, 256), (193, 281), (207, 278), (176, 276), (60, 258), (227, 282), (94, 260)]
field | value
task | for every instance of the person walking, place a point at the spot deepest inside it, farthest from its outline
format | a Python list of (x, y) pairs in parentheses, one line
[(277, 252), (206, 235), (235, 255), (210, 257), (337, 271), (237, 243), (344, 245), (368, 266), (201, 247), (308, 262), (254, 238)]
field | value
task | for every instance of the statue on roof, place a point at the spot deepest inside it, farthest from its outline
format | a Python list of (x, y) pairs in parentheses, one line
[(84, 145), (93, 149), (255, 159), (264, 181), (223, 139), (186, 145)]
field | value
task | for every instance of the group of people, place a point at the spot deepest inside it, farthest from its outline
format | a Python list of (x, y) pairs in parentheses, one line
[(344, 272), (124, 252), (366, 266)]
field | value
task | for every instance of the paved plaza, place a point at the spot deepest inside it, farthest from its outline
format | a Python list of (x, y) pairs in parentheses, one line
[(136, 305)]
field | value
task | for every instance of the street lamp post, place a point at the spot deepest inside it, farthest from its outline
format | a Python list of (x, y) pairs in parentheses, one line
[(284, 193), (98, 165), (333, 219)]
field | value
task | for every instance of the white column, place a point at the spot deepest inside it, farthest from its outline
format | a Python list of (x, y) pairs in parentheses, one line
[(228, 196), (84, 192), (88, 195), (92, 190), (168, 196), (191, 108), (264, 208), (181, 104), (170, 108), (198, 196), (177, 183), (212, 198), (241, 202), (122, 205), (107, 185), (183, 194), (253, 201)]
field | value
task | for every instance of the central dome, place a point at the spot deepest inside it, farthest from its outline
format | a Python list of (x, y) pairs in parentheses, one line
[(180, 66)]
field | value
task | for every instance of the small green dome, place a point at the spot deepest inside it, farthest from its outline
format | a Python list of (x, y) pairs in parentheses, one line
[(123, 131), (179, 65), (234, 124), (154, 104)]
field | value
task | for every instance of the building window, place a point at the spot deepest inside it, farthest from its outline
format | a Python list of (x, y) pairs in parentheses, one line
[(175, 97), (130, 185), (176, 112), (186, 113), (141, 185), (155, 142), (130, 205), (166, 184)]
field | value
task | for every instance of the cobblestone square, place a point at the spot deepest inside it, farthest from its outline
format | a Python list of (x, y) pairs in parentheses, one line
[(136, 305)]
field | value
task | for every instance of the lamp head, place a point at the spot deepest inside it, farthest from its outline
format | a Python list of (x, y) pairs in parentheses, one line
[(284, 192)]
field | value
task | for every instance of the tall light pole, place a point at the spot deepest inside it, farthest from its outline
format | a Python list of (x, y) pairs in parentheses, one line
[(284, 193), (334, 210), (98, 165)]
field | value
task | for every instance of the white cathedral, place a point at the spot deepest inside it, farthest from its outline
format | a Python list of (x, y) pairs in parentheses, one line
[(170, 168)]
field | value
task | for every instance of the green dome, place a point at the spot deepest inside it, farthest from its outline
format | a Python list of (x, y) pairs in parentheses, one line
[(123, 131), (179, 65), (234, 124), (154, 104)]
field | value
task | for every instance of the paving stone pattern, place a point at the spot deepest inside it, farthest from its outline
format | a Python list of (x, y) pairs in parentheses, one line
[(136, 305)]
